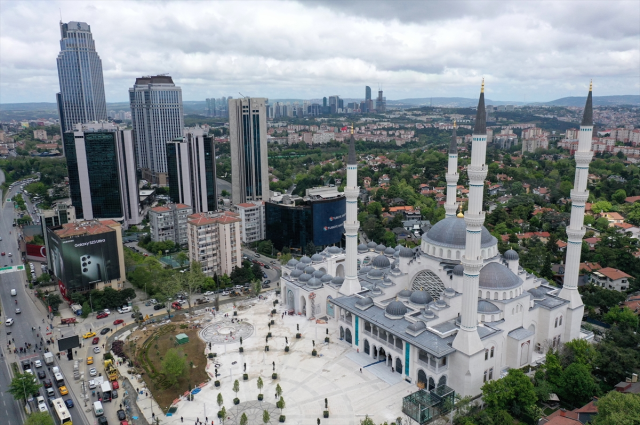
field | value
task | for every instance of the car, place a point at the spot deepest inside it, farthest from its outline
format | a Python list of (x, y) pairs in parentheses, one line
[(28, 370), (266, 266), (90, 360), (92, 384), (106, 311), (103, 421), (102, 316), (266, 285), (50, 392), (264, 275), (37, 363), (266, 281), (158, 307), (95, 341), (41, 374), (182, 302), (225, 293), (105, 331), (47, 383), (114, 394), (10, 254), (117, 322), (114, 385), (121, 415), (93, 371), (69, 403), (8, 322), (89, 335), (63, 390), (96, 350), (18, 311), (153, 301), (3, 254), (208, 293), (50, 401), (258, 256)]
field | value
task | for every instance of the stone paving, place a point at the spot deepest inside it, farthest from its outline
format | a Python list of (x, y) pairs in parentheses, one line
[(305, 380)]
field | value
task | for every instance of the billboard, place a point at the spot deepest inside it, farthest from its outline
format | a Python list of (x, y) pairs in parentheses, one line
[(80, 261), (36, 252), (328, 220)]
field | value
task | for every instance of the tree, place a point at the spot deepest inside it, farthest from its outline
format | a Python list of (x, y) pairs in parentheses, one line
[(367, 421), (278, 390), (23, 385), (174, 364), (310, 249), (546, 271), (220, 400), (619, 196), (86, 309), (284, 258), (236, 387), (578, 351), (266, 417), (281, 404), (39, 418), (602, 224), (260, 384), (624, 317), (243, 419), (618, 409), (614, 363), (578, 385), (601, 206), (223, 414), (256, 287), (515, 389), (192, 280)]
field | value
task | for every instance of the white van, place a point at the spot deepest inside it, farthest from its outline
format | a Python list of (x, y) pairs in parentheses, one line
[(97, 409), (92, 384), (126, 309), (13, 293)]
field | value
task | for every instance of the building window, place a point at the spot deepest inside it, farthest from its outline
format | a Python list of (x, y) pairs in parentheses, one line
[(486, 354), (484, 379), (560, 322), (492, 349), (490, 374), (556, 323)]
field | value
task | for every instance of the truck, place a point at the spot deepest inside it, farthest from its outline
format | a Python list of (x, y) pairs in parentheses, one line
[(110, 371), (48, 358), (105, 387), (77, 309)]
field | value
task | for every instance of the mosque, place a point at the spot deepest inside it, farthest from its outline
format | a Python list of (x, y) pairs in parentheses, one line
[(453, 311)]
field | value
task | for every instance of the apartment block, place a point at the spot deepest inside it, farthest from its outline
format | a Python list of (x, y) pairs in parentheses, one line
[(169, 223), (253, 223), (214, 241)]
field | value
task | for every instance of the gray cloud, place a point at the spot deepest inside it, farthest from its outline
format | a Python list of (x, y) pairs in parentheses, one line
[(537, 50)]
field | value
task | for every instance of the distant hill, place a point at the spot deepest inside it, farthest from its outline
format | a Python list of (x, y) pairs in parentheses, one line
[(578, 101), (449, 102)]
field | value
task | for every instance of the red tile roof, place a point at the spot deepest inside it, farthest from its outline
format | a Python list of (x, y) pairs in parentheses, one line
[(632, 199), (84, 228), (613, 274), (160, 209)]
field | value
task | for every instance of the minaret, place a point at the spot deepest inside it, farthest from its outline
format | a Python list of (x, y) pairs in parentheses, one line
[(467, 340), (351, 285), (452, 175), (576, 231)]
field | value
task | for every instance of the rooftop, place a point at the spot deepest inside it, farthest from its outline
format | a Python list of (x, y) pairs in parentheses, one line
[(85, 228)]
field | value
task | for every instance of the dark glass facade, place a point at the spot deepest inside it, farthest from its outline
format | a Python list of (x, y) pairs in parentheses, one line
[(210, 170), (72, 169), (173, 172)]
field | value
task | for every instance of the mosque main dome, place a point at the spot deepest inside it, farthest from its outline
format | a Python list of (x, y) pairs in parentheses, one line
[(452, 233)]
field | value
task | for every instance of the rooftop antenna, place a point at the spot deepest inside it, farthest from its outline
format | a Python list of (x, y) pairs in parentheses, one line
[(60, 9), (242, 95)]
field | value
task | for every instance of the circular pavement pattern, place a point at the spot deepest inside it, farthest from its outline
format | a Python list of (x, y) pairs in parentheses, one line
[(226, 332), (254, 411)]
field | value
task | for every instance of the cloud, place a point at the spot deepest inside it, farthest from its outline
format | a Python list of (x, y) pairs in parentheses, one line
[(536, 50)]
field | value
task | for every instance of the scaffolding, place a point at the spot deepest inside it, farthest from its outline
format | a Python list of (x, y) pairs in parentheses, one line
[(422, 406)]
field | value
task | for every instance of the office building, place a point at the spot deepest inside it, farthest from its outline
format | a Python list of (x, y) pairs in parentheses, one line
[(214, 240), (157, 116), (81, 97), (61, 213), (169, 223), (101, 162), (248, 138), (381, 103), (253, 221), (191, 165)]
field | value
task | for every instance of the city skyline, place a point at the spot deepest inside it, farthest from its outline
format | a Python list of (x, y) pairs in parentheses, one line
[(540, 52)]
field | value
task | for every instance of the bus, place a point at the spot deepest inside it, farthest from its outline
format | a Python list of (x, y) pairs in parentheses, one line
[(61, 412)]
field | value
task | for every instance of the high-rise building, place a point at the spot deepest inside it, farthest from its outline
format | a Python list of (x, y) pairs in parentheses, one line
[(103, 183), (334, 104), (157, 116), (381, 103), (191, 165), (253, 221), (169, 223), (81, 98), (248, 138), (214, 241), (367, 93)]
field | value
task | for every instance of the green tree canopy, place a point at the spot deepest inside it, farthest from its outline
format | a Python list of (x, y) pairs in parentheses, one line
[(174, 365), (578, 386), (618, 409), (515, 389), (39, 418), (23, 386)]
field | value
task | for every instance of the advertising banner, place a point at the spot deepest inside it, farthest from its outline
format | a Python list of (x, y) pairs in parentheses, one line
[(36, 252), (82, 260), (328, 221)]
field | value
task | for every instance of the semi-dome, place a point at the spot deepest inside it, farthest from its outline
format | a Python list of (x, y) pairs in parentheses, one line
[(316, 258), (487, 307), (406, 252), (538, 294), (380, 248), (336, 250), (305, 260), (416, 328), (389, 251), (338, 280), (405, 293), (314, 282), (305, 277), (292, 262), (364, 302), (452, 233), (498, 276), (326, 278), (375, 290), (387, 281), (449, 292), (309, 270), (511, 255), (372, 245), (396, 309), (362, 248), (420, 297), (318, 274), (428, 314), (296, 273), (381, 262), (375, 274), (458, 270), (397, 248)]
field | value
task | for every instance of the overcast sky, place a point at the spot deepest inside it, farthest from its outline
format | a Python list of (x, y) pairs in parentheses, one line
[(527, 51)]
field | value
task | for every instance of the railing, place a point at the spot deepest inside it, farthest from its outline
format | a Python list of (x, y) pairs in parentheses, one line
[(434, 368)]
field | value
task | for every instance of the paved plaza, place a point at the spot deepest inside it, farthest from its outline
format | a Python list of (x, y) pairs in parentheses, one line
[(305, 380)]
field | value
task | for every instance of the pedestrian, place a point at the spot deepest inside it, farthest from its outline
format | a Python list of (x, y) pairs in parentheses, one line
[(181, 419), (360, 370), (206, 419), (89, 329), (42, 320)]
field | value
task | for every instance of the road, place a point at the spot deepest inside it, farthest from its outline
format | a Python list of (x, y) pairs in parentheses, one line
[(223, 185), (20, 332)]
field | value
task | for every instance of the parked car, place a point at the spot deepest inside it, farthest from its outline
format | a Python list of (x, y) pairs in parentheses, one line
[(225, 293), (114, 394), (158, 306), (208, 293), (114, 385), (266, 266), (105, 331), (37, 363), (89, 360), (96, 350), (117, 322), (102, 316), (93, 371), (121, 415)]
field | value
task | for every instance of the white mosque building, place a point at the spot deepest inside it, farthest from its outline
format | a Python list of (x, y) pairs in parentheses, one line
[(453, 311)]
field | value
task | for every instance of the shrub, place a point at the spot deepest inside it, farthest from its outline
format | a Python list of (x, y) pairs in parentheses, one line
[(325, 414), (245, 376), (241, 349), (235, 313), (269, 335), (260, 397), (282, 418), (211, 355), (298, 335), (184, 326), (273, 311), (326, 339), (274, 376), (286, 349), (275, 302), (314, 353), (266, 348), (236, 401), (217, 383), (273, 322), (220, 414)]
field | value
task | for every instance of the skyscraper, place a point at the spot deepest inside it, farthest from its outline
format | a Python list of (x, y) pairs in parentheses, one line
[(191, 165), (367, 100), (157, 117), (381, 103), (81, 98), (248, 138), (102, 173)]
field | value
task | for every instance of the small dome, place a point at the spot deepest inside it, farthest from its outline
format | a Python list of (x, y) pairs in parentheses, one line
[(326, 278), (362, 248), (416, 327), (365, 269), (498, 276), (405, 293), (296, 273), (458, 270), (375, 274), (396, 254), (336, 250), (375, 290), (406, 252), (396, 309), (441, 303), (487, 307), (389, 251), (309, 270), (420, 297), (364, 302), (381, 262), (292, 262), (428, 314), (538, 294), (449, 292), (511, 255), (338, 280), (316, 258), (305, 260), (397, 248), (314, 283), (372, 245), (305, 277), (318, 274), (380, 248), (301, 265)]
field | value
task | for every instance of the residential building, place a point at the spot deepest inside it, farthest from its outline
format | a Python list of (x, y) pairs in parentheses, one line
[(40, 134), (253, 221), (191, 168), (214, 240), (61, 213), (81, 97), (157, 116), (169, 223), (248, 138), (611, 278), (613, 218), (103, 184)]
